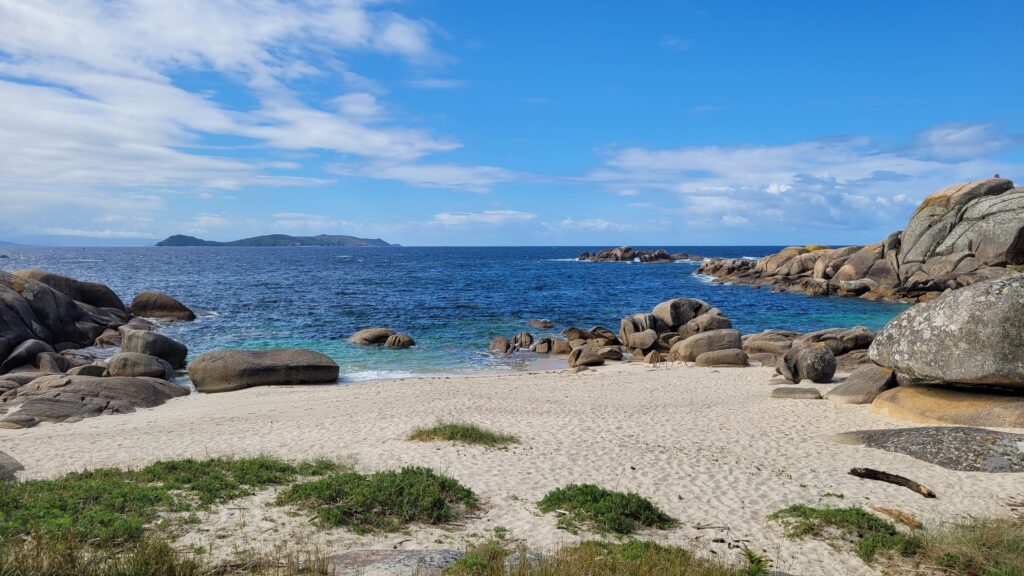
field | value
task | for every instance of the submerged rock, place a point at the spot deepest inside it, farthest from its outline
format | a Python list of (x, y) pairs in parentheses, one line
[(227, 370), (399, 341), (371, 336)]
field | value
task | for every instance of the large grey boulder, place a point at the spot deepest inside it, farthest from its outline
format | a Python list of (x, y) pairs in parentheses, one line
[(135, 364), (500, 345), (971, 336), (863, 385), (839, 340), (92, 293), (722, 358), (814, 362), (61, 398), (227, 370), (677, 312), (154, 344), (152, 304), (584, 356), (688, 350)]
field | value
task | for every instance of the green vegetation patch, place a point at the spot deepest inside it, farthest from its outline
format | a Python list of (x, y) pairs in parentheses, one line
[(989, 547), (462, 433), (633, 557), (604, 510), (871, 535), (383, 501), (222, 479), (110, 506)]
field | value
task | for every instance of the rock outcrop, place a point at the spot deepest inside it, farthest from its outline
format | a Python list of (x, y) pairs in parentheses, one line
[(958, 236), (814, 362), (227, 370), (971, 336), (159, 305), (92, 293), (629, 254), (62, 398)]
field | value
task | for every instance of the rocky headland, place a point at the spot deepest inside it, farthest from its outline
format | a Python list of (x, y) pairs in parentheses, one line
[(958, 236), (277, 240)]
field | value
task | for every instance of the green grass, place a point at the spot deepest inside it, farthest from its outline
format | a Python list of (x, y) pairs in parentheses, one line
[(871, 535), (462, 433), (383, 501), (633, 557), (604, 510), (108, 506)]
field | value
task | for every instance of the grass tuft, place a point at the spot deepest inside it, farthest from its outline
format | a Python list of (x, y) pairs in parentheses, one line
[(633, 557), (990, 547), (383, 501), (871, 534), (604, 510), (462, 433)]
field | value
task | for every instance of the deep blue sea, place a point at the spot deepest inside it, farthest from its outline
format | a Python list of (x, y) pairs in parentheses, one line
[(451, 300)]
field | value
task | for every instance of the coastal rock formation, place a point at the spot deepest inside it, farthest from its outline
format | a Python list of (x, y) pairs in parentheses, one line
[(814, 362), (629, 254), (584, 356), (154, 344), (227, 370), (540, 324), (133, 364), (61, 398), (723, 358), (958, 236), (371, 336), (713, 340), (951, 405), (92, 293), (863, 385), (848, 345), (399, 341), (971, 336), (159, 305), (500, 345), (32, 310)]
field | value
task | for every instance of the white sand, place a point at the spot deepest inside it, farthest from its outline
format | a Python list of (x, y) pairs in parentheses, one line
[(707, 445)]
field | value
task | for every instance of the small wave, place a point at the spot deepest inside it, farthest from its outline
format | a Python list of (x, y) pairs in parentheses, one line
[(364, 375), (563, 260), (707, 278), (754, 258)]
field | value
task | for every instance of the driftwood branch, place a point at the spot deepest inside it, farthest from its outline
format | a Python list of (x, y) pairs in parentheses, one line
[(872, 474), (899, 516)]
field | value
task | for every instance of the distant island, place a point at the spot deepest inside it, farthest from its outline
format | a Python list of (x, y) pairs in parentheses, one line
[(277, 240)]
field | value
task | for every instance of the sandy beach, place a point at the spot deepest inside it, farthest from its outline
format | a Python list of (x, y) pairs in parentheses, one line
[(707, 445)]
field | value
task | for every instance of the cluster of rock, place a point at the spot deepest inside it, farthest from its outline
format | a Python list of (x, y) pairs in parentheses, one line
[(385, 337), (51, 372), (958, 236), (629, 254)]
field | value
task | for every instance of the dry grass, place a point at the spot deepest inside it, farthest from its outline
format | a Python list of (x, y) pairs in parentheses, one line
[(462, 433)]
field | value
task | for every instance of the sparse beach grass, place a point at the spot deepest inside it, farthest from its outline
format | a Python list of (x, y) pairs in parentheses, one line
[(383, 501), (633, 557), (871, 534), (590, 506), (463, 433)]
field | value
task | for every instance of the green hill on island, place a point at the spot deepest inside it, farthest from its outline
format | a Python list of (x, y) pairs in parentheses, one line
[(277, 240)]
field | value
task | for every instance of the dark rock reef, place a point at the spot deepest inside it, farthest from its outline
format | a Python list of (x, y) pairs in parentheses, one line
[(629, 254), (958, 236)]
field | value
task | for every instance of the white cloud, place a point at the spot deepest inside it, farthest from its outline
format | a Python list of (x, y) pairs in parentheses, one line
[(676, 43), (438, 83), (848, 183), (592, 224), (311, 223), (491, 217), (478, 179), (956, 142), (91, 105)]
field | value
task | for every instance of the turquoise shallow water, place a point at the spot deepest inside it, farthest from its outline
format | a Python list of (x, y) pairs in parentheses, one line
[(452, 300)]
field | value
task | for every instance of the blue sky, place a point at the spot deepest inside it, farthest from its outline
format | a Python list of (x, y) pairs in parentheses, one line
[(480, 123)]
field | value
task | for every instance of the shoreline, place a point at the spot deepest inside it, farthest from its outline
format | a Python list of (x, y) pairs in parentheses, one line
[(706, 444)]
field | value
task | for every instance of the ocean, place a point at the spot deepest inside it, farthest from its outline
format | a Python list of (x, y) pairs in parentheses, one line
[(451, 300)]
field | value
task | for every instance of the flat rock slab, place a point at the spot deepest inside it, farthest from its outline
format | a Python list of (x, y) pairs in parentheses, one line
[(953, 447), (394, 562), (8, 466), (949, 405), (796, 393)]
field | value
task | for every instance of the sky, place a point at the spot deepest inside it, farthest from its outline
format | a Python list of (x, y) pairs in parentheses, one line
[(430, 122)]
